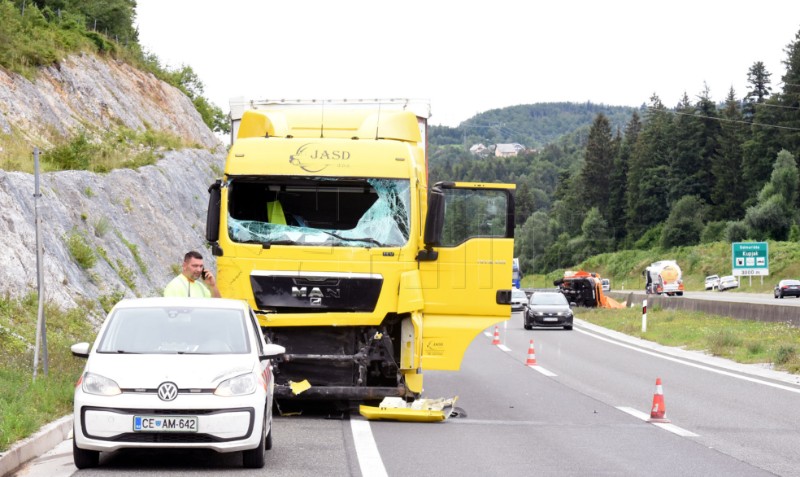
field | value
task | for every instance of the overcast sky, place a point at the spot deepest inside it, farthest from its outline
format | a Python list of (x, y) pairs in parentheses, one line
[(467, 57)]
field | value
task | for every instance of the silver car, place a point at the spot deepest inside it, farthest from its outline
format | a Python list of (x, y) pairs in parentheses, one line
[(727, 282), (519, 300), (175, 373)]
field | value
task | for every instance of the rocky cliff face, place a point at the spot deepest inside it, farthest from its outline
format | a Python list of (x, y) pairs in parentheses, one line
[(137, 224), (87, 91)]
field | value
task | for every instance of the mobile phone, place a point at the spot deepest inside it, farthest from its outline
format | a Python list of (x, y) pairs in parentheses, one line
[(204, 274)]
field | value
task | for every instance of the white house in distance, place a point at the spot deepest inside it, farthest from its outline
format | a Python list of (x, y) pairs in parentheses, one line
[(508, 150)]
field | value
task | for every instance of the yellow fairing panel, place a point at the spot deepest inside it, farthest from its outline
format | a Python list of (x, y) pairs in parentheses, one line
[(460, 290)]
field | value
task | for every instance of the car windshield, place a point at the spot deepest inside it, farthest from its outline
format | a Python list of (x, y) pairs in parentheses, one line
[(517, 294), (171, 330), (548, 299), (319, 211), (790, 282)]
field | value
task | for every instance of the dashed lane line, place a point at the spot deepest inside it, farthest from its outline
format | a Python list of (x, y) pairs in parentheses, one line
[(663, 425)]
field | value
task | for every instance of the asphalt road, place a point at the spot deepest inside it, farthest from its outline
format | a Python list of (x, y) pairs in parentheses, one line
[(581, 411)]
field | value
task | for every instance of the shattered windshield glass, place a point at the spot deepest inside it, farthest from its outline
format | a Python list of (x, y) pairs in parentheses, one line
[(319, 211)]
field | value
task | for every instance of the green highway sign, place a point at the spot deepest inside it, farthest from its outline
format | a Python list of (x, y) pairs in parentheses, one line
[(750, 258)]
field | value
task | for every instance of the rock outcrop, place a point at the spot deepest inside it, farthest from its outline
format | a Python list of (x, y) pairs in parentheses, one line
[(137, 224)]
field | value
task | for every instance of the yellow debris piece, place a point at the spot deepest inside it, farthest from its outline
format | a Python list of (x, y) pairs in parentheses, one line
[(420, 410), (298, 388)]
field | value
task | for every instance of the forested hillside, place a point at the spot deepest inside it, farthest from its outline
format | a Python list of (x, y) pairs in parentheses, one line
[(672, 176)]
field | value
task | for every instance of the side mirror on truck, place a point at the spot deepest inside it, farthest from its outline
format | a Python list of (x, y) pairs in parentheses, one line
[(434, 224), (213, 215)]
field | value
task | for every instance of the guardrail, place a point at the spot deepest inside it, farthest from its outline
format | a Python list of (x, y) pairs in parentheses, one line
[(741, 311)]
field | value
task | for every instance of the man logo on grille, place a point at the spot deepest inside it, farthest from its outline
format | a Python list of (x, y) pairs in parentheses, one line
[(167, 391)]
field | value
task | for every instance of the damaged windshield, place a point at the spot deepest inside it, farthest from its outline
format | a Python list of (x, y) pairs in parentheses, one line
[(319, 211)]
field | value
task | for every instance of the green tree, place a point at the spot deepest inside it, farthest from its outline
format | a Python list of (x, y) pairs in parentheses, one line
[(695, 134), (619, 180), (597, 165), (776, 210), (595, 233), (647, 201), (728, 191), (760, 89), (685, 222)]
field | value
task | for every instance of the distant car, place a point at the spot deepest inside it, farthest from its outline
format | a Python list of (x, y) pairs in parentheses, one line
[(606, 284), (547, 308), (787, 288), (519, 300), (175, 373), (727, 282), (712, 282)]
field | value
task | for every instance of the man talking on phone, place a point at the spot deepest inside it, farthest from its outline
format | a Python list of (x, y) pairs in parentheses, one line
[(195, 281)]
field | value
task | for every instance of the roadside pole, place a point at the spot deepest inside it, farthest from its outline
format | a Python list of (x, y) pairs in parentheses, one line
[(644, 315), (41, 328)]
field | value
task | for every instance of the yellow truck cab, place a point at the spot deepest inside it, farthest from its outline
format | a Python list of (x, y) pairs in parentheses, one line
[(325, 223)]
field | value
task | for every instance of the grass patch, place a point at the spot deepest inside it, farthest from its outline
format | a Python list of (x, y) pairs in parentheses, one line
[(742, 341), (80, 249), (134, 249), (25, 404)]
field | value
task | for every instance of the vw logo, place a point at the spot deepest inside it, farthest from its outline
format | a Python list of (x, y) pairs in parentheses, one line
[(167, 391)]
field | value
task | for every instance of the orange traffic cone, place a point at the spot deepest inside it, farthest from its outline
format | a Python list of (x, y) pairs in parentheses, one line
[(496, 340), (531, 355), (659, 412)]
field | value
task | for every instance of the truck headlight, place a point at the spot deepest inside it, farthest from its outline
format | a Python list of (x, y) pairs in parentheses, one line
[(238, 386)]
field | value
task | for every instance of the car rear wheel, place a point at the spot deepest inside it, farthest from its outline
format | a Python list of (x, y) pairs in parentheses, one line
[(83, 458), (254, 458)]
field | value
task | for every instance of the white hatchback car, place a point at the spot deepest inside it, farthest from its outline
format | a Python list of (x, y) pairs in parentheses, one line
[(175, 373), (712, 282), (727, 282)]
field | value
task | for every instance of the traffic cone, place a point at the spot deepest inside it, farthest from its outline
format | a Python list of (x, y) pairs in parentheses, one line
[(531, 355), (496, 340), (658, 413)]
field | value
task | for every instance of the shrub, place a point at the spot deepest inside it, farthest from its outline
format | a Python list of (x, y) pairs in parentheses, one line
[(80, 250)]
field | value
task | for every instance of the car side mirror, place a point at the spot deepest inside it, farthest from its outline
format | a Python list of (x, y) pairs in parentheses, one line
[(271, 350), (81, 350)]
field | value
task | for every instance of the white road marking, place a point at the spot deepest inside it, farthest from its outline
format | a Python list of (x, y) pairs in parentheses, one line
[(694, 365), (369, 459), (543, 371), (666, 426), (504, 348)]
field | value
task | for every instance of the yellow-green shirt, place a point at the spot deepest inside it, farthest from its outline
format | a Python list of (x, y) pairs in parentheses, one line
[(182, 286)]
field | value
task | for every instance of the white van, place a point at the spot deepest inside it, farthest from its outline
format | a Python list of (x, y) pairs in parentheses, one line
[(606, 284)]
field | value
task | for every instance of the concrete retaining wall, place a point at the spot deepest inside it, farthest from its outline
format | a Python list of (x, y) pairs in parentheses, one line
[(742, 311)]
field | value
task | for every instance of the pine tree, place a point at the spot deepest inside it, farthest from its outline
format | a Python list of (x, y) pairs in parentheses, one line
[(597, 164), (647, 199), (619, 180), (726, 166), (758, 78), (790, 99)]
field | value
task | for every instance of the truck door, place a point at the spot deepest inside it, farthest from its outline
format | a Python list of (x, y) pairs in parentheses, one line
[(465, 275)]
